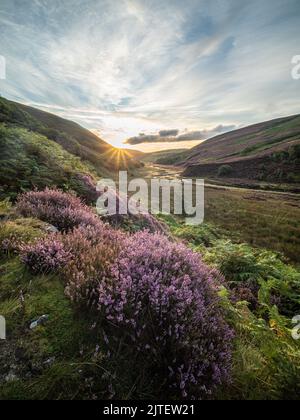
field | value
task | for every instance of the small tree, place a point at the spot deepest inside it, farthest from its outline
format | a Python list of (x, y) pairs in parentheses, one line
[(225, 170)]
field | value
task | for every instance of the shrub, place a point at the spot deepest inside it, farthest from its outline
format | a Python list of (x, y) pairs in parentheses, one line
[(204, 234), (294, 152), (63, 210), (237, 262), (260, 275), (135, 222), (45, 256), (163, 300), (225, 170)]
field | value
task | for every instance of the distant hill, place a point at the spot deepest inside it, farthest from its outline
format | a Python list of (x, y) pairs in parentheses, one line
[(166, 157), (68, 134), (269, 151), (135, 154)]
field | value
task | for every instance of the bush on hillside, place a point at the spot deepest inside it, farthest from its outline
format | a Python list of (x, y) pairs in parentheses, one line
[(45, 256), (225, 170), (258, 276), (63, 210), (134, 222), (163, 301)]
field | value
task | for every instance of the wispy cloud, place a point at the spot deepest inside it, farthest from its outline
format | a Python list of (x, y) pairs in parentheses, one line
[(130, 66)]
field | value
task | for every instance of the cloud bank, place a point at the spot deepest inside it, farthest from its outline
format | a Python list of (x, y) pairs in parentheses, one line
[(173, 136)]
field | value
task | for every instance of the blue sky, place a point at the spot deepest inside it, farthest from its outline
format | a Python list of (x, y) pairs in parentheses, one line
[(130, 67)]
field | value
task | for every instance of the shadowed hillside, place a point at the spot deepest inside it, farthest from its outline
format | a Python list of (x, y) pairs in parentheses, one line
[(264, 152)]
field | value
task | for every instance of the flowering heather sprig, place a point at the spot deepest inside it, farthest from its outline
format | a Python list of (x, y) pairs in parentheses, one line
[(164, 298), (87, 188), (45, 256), (94, 250), (63, 210), (10, 245)]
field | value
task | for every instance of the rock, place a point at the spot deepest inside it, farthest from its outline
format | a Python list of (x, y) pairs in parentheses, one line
[(40, 321), (50, 361), (11, 377), (51, 229)]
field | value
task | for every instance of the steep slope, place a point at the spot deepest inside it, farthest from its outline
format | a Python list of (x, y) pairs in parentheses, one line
[(71, 136), (29, 160), (265, 152)]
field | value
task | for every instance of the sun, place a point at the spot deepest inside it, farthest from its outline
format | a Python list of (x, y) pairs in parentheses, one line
[(120, 157)]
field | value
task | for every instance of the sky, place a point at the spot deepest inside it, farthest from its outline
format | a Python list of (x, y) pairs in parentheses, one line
[(152, 74)]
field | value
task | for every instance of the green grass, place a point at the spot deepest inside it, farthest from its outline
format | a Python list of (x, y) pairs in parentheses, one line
[(29, 160), (60, 338), (261, 219)]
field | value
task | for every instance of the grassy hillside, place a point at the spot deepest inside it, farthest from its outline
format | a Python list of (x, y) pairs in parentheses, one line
[(264, 152), (29, 160), (71, 136)]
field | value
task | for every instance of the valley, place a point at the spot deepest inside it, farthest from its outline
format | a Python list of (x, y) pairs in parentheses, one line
[(262, 218), (262, 156)]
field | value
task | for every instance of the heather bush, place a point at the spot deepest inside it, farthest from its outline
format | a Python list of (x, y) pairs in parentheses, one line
[(139, 222), (134, 222), (163, 301), (63, 210), (45, 256)]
